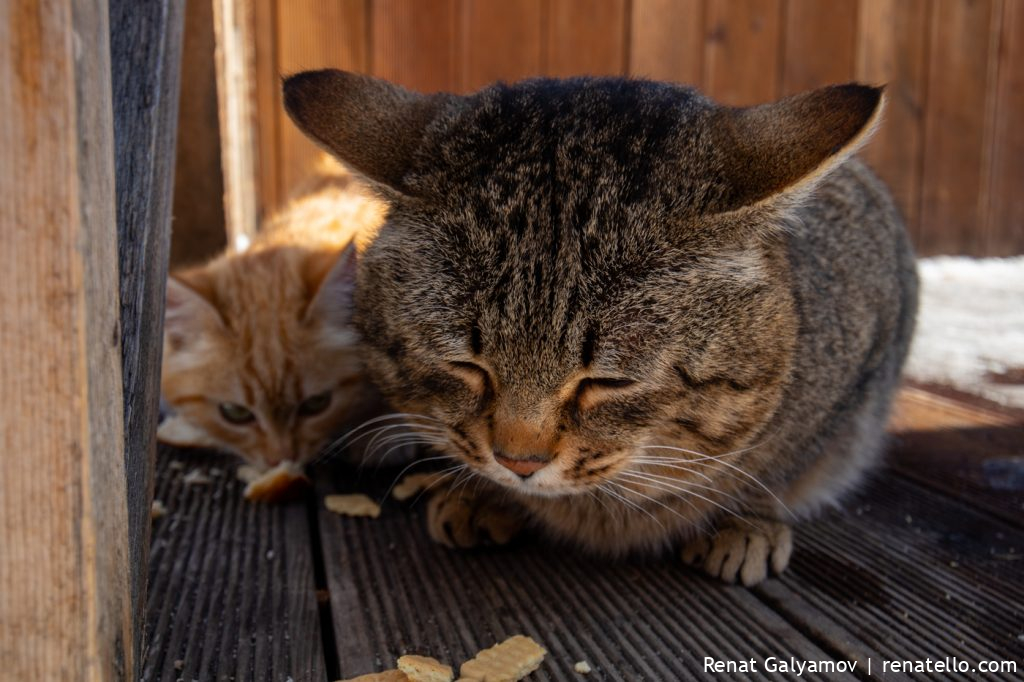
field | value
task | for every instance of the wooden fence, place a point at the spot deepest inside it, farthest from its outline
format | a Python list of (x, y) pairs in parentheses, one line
[(951, 148)]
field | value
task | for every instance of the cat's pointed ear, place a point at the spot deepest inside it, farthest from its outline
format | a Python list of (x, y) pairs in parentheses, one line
[(187, 315), (332, 303), (373, 126), (176, 430), (785, 148)]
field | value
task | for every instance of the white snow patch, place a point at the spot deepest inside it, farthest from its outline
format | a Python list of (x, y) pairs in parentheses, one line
[(970, 326)]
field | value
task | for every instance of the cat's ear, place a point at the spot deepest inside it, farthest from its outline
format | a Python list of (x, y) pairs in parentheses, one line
[(188, 314), (373, 126), (176, 430), (784, 149), (332, 303)]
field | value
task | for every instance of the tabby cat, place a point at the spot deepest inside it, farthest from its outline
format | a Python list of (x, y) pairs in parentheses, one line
[(260, 357), (650, 320)]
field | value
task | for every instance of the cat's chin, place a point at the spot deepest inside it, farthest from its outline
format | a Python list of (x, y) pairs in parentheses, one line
[(547, 491)]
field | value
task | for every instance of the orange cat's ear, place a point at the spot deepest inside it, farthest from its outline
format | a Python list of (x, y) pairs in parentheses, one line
[(188, 314), (785, 148), (332, 302), (373, 126)]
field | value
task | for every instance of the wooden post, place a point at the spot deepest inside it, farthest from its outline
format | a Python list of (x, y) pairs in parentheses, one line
[(145, 47), (234, 25), (64, 579)]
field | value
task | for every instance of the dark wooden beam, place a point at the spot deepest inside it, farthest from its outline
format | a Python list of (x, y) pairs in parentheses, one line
[(145, 46)]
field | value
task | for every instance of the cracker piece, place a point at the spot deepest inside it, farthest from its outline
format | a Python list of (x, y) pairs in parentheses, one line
[(352, 505), (383, 676), (284, 482), (510, 661), (425, 669), (582, 667), (195, 477), (157, 510), (414, 483)]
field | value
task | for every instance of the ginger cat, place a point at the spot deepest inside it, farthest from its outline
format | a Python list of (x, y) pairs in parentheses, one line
[(260, 356), (640, 319)]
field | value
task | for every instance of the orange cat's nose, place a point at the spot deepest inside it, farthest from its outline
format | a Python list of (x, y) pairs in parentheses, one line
[(522, 466)]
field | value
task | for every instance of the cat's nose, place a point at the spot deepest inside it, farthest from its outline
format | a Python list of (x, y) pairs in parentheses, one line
[(522, 466)]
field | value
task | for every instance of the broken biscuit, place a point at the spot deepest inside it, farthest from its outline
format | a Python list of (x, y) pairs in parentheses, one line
[(414, 483), (284, 482), (425, 669), (352, 505), (510, 661), (157, 510)]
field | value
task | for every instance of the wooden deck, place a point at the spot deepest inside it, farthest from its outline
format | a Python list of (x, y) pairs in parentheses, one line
[(927, 562)]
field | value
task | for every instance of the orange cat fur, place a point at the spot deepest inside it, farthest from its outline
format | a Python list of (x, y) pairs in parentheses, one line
[(259, 356)]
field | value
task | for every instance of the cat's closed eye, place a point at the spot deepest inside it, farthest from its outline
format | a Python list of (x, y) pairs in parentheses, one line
[(593, 390), (475, 376), (234, 413)]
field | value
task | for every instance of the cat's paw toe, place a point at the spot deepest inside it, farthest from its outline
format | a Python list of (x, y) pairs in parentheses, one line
[(743, 550), (463, 522)]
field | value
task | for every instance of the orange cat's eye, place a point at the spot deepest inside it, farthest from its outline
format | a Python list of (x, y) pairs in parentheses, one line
[(473, 374), (236, 414), (314, 405), (593, 390)]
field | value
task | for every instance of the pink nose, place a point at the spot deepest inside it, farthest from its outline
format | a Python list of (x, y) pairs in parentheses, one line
[(524, 467)]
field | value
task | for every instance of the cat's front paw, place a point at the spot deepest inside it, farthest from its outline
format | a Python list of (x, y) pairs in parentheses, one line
[(743, 548), (465, 520)]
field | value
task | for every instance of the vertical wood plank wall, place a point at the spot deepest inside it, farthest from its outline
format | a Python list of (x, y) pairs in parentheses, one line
[(65, 600), (951, 148)]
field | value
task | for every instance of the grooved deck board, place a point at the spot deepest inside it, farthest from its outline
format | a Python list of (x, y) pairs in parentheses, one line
[(231, 593), (907, 574), (919, 564), (394, 592)]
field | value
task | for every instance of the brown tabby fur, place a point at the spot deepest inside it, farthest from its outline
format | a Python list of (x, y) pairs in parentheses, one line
[(269, 327), (649, 319)]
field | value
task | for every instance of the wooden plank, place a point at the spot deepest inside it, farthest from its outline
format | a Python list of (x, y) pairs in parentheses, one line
[(65, 593), (586, 38), (742, 57), (232, 592), (500, 41), (820, 43), (198, 177), (1006, 212), (954, 163), (667, 40), (234, 27), (892, 49), (313, 34), (394, 591), (145, 45), (918, 409), (268, 104), (415, 44), (910, 575)]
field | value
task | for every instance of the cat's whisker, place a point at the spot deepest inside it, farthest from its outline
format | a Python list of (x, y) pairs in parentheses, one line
[(659, 502), (372, 449), (391, 416), (690, 493), (639, 507), (676, 467), (675, 484), (443, 475), (720, 459), (381, 430), (409, 466)]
